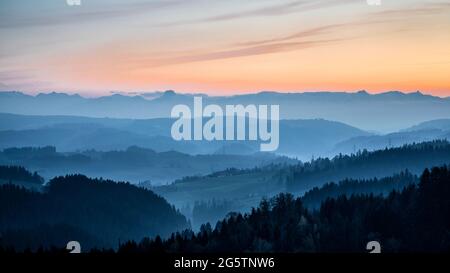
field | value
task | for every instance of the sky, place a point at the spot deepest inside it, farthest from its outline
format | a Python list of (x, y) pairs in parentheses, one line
[(222, 47)]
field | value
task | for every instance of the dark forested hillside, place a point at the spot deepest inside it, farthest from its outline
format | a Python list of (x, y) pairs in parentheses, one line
[(17, 173), (383, 186), (96, 212), (415, 219)]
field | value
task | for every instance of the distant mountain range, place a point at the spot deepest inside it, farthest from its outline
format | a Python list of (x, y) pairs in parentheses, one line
[(386, 112)]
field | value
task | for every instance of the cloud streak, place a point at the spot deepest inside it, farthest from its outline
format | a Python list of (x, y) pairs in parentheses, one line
[(429, 9), (81, 15), (326, 29), (276, 10), (380, 17), (15, 75), (242, 52)]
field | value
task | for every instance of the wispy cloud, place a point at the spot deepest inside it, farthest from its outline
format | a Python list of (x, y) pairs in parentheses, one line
[(265, 11), (15, 75), (291, 42), (326, 29), (85, 14), (241, 52), (21, 79), (275, 10), (428, 9), (380, 17), (300, 34)]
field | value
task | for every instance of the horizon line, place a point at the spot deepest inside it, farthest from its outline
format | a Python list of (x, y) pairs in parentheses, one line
[(144, 94)]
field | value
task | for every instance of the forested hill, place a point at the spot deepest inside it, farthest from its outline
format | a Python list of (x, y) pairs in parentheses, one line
[(364, 164), (382, 186), (216, 209), (247, 187), (96, 212), (17, 173), (413, 220), (20, 176)]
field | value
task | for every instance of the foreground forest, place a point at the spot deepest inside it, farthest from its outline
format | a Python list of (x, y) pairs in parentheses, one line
[(382, 195), (412, 220), (413, 217)]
